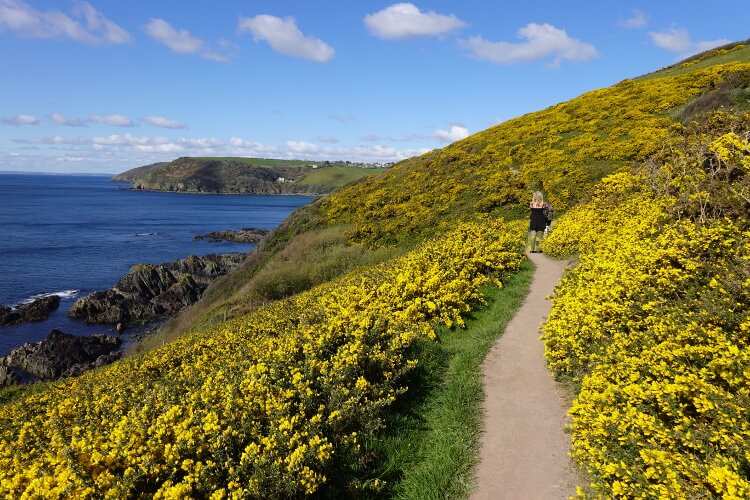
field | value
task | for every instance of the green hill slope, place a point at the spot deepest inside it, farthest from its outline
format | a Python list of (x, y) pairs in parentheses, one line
[(562, 150), (244, 176), (293, 366)]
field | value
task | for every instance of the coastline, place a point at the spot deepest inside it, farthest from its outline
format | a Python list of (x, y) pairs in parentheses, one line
[(138, 190), (89, 250)]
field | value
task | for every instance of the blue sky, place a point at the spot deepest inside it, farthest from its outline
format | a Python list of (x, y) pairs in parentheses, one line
[(106, 85)]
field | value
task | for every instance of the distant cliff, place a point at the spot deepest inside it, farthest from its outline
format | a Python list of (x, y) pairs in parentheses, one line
[(245, 176)]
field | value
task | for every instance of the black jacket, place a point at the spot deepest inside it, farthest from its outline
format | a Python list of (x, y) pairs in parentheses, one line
[(538, 220)]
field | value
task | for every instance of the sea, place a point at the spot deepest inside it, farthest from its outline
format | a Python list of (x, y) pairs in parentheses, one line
[(70, 235)]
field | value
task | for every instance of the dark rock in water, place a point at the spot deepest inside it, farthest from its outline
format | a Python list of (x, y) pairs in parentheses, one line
[(244, 235), (60, 355), (6, 315), (120, 328), (150, 292), (38, 310)]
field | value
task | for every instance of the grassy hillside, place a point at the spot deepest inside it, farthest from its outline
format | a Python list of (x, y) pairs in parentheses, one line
[(287, 379), (733, 52), (336, 176), (245, 176), (277, 403), (562, 150)]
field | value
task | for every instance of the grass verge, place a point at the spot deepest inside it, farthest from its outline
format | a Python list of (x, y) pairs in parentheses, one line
[(306, 260), (432, 445)]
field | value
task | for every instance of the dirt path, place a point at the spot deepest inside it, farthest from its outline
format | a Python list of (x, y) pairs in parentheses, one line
[(524, 451)]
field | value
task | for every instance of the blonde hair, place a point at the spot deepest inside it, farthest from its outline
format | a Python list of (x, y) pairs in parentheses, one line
[(537, 199)]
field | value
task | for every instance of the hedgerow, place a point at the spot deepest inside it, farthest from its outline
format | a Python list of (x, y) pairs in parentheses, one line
[(653, 324), (267, 405)]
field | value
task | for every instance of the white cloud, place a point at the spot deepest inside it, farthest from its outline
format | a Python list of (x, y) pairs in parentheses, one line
[(98, 24), (113, 120), (637, 19), (134, 149), (181, 41), (85, 24), (164, 122), (453, 134), (679, 41), (115, 140), (674, 40), (404, 20), (376, 152), (61, 119), (20, 120), (285, 37), (302, 147), (201, 142), (541, 41), (246, 147)]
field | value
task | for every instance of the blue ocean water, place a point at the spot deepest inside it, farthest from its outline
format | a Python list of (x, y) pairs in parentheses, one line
[(71, 235)]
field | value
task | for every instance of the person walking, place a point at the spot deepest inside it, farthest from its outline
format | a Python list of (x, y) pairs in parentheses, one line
[(537, 222)]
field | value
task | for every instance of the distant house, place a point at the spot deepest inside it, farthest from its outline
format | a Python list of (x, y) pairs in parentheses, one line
[(281, 180)]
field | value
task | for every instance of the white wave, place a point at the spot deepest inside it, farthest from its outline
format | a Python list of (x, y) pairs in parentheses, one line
[(63, 294), (145, 234)]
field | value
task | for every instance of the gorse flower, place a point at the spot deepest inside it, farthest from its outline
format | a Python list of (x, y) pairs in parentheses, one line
[(564, 150), (653, 327), (263, 405)]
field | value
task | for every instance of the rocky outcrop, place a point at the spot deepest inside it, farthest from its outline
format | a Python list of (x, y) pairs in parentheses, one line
[(151, 292), (38, 310), (60, 355), (244, 235)]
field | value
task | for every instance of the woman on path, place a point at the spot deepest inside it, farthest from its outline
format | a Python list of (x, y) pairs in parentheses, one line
[(537, 222)]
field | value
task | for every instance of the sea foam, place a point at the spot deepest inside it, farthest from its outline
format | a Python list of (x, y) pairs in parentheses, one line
[(63, 294)]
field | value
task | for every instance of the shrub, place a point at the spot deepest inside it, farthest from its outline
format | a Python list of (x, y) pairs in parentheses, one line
[(269, 404), (653, 328), (563, 150)]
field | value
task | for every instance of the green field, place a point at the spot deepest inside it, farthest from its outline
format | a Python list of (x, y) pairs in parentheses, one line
[(260, 162), (331, 177)]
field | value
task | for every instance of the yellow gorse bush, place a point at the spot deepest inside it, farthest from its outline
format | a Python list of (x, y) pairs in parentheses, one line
[(563, 150), (265, 405), (653, 328)]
